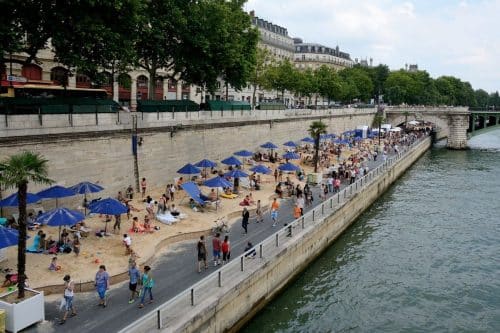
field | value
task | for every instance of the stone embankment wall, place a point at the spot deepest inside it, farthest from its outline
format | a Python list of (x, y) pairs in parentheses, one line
[(103, 153), (227, 313)]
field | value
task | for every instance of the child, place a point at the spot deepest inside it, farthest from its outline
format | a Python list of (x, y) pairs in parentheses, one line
[(54, 266)]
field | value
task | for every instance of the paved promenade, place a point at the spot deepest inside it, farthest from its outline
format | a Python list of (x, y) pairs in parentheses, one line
[(173, 272)]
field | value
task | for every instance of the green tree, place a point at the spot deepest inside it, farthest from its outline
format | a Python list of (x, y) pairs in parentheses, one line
[(358, 82), (329, 83), (258, 76), (494, 100), (307, 84), (16, 172), (315, 130), (281, 77), (481, 98)]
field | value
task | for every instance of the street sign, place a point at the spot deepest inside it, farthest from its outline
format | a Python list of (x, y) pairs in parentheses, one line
[(14, 78)]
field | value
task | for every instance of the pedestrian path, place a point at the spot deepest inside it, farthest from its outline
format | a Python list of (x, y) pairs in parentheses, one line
[(173, 273)]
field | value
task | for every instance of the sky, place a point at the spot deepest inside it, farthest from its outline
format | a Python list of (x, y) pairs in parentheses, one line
[(444, 37)]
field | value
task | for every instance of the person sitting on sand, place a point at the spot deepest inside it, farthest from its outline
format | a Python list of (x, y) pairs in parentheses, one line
[(212, 195), (228, 191), (250, 199), (54, 267), (245, 202), (148, 227), (174, 211), (135, 224)]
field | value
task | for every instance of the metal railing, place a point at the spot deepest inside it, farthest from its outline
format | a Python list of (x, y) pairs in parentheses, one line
[(234, 272)]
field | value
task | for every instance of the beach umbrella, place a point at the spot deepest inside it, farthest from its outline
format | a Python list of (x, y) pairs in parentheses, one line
[(8, 237), (217, 182), (189, 169), (108, 206), (84, 188), (261, 169), (291, 156), (244, 153), (288, 167), (269, 145), (358, 138), (324, 137), (308, 139), (59, 217), (290, 144), (206, 164), (12, 200), (236, 174), (56, 192), (231, 161)]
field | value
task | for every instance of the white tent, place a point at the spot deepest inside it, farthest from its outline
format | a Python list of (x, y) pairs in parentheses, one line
[(414, 122)]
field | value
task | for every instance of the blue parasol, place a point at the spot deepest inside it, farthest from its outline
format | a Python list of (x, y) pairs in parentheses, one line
[(12, 200), (236, 174), (288, 167), (56, 192), (269, 145), (9, 237), (205, 164), (231, 161), (291, 156), (308, 139), (86, 187), (244, 153), (108, 206), (261, 169), (189, 169), (290, 144), (59, 217), (217, 182)]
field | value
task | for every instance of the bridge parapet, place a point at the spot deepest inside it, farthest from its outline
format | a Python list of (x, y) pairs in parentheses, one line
[(427, 109)]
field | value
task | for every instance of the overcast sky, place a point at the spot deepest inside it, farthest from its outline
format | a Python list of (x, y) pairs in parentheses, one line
[(444, 37)]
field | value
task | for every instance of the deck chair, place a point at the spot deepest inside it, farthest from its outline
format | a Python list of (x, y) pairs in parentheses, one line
[(194, 192)]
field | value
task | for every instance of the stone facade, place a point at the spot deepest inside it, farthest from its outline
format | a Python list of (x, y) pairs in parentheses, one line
[(312, 56)]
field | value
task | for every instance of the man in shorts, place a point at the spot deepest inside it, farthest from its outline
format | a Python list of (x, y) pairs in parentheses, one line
[(274, 211), (134, 276), (216, 246), (202, 253)]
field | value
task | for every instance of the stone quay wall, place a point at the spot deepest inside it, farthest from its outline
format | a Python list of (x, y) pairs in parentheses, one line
[(102, 152)]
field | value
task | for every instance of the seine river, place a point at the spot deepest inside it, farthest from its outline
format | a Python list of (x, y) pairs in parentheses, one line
[(424, 258)]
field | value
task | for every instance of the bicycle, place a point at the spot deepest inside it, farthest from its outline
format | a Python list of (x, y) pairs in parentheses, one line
[(220, 227)]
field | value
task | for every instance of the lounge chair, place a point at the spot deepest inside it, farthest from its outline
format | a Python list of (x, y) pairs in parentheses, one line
[(195, 193)]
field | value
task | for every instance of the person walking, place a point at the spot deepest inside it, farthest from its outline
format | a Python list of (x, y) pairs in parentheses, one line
[(274, 211), (147, 286), (244, 220), (69, 292), (300, 204), (118, 220), (258, 212), (226, 250), (202, 253), (216, 243), (134, 276), (143, 187), (102, 284), (297, 212)]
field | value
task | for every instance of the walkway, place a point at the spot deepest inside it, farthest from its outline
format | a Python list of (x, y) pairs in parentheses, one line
[(174, 272)]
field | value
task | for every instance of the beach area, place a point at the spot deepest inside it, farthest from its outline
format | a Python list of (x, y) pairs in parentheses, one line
[(110, 250)]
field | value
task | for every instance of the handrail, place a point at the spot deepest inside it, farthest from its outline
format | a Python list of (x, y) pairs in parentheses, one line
[(276, 241)]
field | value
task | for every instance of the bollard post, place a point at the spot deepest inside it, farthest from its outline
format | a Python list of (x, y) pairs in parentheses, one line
[(192, 297), (323, 209), (173, 113), (331, 202), (220, 278), (313, 215), (338, 197), (241, 263), (260, 251), (158, 316), (277, 240), (303, 225)]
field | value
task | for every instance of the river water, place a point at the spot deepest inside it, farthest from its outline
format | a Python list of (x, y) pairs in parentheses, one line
[(424, 258)]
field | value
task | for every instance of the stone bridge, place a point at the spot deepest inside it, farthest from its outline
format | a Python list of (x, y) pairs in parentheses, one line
[(451, 122), (482, 121)]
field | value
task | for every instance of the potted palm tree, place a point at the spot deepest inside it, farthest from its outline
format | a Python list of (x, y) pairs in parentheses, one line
[(315, 130), (16, 172)]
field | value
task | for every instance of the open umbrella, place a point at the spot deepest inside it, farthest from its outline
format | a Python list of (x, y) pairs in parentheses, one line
[(269, 145), (8, 237), (12, 200), (189, 169), (244, 153), (56, 192), (290, 144), (261, 169), (308, 139), (236, 174), (205, 164), (291, 156), (59, 217), (288, 167), (108, 206), (231, 161), (217, 182), (84, 188)]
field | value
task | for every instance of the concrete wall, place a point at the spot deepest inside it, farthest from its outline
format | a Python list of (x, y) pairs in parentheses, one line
[(238, 304), (103, 154)]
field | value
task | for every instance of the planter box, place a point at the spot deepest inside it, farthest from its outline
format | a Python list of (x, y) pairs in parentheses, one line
[(25, 313)]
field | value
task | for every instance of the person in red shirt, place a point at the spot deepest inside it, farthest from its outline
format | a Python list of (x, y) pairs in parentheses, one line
[(226, 250), (216, 245)]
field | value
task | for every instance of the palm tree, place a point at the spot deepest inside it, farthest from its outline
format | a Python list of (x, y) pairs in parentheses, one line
[(378, 120), (16, 172), (315, 130)]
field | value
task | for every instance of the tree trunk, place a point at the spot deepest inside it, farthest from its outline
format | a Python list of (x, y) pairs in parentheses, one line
[(254, 102), (21, 248), (227, 92), (152, 84), (316, 153)]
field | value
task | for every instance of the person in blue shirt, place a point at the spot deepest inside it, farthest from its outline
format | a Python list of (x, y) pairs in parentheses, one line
[(147, 285), (135, 276), (102, 284)]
